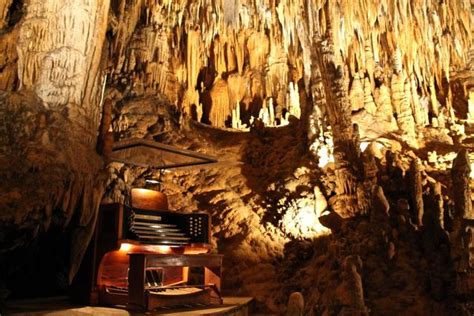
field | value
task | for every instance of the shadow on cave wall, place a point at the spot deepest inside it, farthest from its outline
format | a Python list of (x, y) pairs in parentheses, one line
[(38, 269), (270, 158)]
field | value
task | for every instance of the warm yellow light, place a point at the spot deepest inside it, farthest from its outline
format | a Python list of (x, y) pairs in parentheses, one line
[(164, 249), (301, 220), (325, 157), (125, 247)]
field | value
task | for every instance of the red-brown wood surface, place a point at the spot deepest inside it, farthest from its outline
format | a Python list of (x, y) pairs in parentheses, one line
[(148, 199)]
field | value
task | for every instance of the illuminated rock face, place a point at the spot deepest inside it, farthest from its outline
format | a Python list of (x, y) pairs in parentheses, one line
[(290, 94), (198, 47), (50, 170)]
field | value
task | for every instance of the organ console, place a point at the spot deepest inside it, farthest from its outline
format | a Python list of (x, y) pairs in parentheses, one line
[(144, 256)]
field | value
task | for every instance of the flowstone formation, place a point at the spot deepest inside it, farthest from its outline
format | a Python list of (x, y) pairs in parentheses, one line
[(343, 132), (50, 109)]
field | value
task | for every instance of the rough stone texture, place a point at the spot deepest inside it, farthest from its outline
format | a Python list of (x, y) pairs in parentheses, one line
[(295, 205), (416, 189), (295, 304), (259, 41), (51, 180), (346, 137), (49, 175), (462, 234)]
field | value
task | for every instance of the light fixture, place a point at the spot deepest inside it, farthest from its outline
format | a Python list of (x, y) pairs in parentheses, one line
[(125, 247), (152, 181)]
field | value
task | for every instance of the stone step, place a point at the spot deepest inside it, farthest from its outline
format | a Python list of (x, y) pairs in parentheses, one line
[(58, 306)]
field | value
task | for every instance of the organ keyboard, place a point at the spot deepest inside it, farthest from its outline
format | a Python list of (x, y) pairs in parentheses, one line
[(141, 256)]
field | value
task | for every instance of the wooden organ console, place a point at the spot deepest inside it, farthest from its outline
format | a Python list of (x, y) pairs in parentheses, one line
[(144, 256)]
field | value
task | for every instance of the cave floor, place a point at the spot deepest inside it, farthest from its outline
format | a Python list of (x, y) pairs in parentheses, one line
[(235, 306)]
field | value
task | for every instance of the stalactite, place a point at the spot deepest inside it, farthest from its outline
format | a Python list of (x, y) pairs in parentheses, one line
[(434, 100), (237, 88), (220, 108), (193, 62), (419, 112), (356, 94), (8, 61), (4, 6), (105, 138), (401, 105), (260, 37), (383, 103), (370, 64), (369, 104)]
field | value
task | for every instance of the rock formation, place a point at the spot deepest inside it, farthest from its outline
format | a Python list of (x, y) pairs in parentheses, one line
[(336, 125), (462, 234)]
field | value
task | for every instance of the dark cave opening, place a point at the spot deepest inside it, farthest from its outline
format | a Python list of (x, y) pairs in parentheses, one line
[(39, 269)]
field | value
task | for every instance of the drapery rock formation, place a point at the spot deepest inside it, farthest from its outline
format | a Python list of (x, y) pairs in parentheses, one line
[(336, 124), (50, 170)]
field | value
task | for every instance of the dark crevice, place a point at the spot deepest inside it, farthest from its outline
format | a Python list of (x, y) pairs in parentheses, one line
[(15, 13)]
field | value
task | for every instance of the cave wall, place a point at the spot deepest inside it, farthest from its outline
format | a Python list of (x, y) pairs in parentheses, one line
[(311, 68), (50, 109)]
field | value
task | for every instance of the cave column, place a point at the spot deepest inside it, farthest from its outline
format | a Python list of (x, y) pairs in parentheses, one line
[(59, 49), (346, 142), (59, 58)]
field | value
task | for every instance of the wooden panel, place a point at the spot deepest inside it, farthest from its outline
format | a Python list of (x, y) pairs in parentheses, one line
[(136, 282), (212, 275), (146, 199)]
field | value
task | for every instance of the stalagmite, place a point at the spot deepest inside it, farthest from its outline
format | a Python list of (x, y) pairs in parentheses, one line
[(264, 115), (380, 205), (295, 305), (436, 213), (460, 174), (316, 111), (351, 291), (416, 189), (294, 101), (462, 235), (236, 122), (470, 106), (271, 111)]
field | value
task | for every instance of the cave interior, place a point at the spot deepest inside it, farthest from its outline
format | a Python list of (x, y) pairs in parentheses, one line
[(328, 145)]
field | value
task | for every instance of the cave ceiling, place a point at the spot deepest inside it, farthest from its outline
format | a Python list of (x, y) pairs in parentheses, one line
[(320, 112)]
